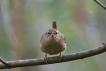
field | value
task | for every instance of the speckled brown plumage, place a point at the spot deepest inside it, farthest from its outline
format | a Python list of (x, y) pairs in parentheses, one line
[(52, 41)]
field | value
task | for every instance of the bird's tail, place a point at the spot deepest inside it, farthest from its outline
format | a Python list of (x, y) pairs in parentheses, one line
[(54, 25)]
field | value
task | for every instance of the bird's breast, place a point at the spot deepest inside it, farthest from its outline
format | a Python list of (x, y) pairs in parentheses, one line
[(53, 47)]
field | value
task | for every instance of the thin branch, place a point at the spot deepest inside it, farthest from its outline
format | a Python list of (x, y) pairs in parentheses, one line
[(5, 63), (102, 5), (52, 60)]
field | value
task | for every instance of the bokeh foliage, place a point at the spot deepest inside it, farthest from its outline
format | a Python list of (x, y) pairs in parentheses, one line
[(81, 21)]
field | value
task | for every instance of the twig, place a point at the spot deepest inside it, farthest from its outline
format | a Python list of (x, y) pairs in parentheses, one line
[(52, 60), (5, 63), (102, 5)]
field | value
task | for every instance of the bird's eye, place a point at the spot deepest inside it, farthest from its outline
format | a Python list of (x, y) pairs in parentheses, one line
[(48, 33), (56, 32)]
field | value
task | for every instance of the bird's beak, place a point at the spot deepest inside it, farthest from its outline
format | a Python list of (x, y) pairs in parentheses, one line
[(52, 33)]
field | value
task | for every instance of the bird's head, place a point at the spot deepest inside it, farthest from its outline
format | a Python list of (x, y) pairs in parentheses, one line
[(52, 34)]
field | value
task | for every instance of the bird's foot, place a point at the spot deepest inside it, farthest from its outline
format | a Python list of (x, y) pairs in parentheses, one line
[(60, 57), (45, 58)]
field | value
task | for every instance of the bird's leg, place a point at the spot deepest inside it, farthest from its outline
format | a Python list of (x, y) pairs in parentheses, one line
[(45, 58), (60, 56)]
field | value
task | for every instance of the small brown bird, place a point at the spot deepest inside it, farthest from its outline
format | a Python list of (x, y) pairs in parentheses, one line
[(53, 42)]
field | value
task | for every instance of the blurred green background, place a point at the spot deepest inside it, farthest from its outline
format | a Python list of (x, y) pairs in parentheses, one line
[(22, 23)]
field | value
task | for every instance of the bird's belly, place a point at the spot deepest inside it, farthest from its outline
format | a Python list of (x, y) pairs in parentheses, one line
[(53, 48)]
